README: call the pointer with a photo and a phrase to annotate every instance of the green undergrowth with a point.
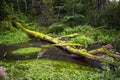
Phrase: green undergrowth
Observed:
(90, 35)
(26, 51)
(102, 36)
(82, 40)
(13, 36)
(46, 69)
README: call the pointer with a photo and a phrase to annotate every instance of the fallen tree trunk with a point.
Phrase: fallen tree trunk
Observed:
(82, 52)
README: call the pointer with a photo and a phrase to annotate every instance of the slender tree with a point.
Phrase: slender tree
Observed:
(25, 1)
(18, 6)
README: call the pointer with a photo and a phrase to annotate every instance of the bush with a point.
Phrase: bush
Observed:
(78, 29)
(13, 36)
(82, 40)
(56, 28)
(105, 39)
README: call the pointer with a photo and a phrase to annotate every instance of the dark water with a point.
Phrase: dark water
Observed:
(50, 53)
(5, 51)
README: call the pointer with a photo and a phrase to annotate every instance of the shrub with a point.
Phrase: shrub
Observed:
(56, 28)
(13, 36)
(78, 29)
(82, 40)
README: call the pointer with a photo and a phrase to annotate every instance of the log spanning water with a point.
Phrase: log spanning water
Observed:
(82, 52)
(52, 53)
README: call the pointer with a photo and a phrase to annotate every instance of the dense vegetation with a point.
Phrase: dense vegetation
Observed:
(97, 22)
(55, 70)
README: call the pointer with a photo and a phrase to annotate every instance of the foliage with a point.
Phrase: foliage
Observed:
(105, 36)
(78, 29)
(47, 69)
(111, 15)
(13, 36)
(74, 12)
(73, 20)
(56, 28)
(53, 35)
(101, 36)
(105, 39)
(26, 51)
(5, 9)
(66, 16)
(82, 40)
(45, 12)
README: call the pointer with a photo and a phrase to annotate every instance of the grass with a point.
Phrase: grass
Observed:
(26, 51)
(46, 69)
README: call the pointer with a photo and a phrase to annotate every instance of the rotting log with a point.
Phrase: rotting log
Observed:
(55, 41)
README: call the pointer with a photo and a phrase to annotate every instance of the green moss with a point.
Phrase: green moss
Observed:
(26, 51)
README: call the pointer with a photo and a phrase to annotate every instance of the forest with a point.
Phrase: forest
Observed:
(59, 39)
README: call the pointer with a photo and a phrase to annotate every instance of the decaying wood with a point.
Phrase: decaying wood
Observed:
(60, 43)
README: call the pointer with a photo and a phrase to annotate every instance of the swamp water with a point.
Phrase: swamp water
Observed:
(50, 53)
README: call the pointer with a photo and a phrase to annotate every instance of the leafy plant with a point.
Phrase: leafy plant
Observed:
(78, 29)
(105, 39)
(82, 40)
(13, 36)
(56, 27)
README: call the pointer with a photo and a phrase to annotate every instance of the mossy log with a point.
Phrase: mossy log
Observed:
(82, 52)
